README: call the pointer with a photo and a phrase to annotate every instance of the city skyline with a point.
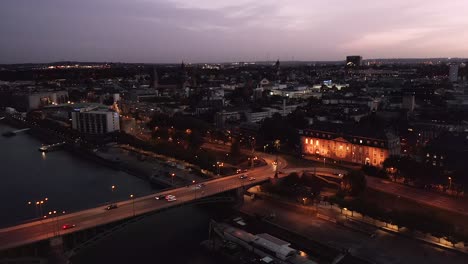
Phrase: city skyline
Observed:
(167, 31)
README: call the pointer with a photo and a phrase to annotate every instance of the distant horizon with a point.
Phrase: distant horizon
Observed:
(166, 31)
(228, 62)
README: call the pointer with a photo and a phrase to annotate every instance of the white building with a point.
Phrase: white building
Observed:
(41, 99)
(95, 122)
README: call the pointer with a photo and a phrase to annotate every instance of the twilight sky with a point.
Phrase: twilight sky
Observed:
(229, 30)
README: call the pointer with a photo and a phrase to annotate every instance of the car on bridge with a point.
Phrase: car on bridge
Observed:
(68, 226)
(244, 176)
(111, 206)
(199, 186)
(160, 197)
(171, 198)
(252, 179)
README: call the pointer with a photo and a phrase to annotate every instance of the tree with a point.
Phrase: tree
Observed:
(354, 182)
(235, 148)
(194, 139)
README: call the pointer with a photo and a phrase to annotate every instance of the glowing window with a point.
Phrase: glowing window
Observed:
(307, 141)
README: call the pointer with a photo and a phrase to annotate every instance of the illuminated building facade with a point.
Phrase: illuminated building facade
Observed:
(369, 147)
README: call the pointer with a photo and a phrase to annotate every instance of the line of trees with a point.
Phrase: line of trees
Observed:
(413, 170)
(179, 128)
(197, 156)
(424, 222)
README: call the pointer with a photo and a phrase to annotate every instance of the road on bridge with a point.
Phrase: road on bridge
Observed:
(39, 230)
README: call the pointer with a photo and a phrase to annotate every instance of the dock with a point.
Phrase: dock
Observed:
(14, 133)
(51, 147)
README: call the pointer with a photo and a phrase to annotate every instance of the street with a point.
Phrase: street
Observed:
(384, 247)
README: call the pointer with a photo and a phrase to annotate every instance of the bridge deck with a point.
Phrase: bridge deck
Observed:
(39, 230)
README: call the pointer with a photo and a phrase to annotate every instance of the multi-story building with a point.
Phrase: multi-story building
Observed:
(447, 151)
(32, 101)
(408, 102)
(453, 72)
(96, 122)
(353, 61)
(223, 117)
(349, 143)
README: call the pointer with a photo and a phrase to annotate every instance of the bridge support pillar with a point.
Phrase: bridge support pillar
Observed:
(240, 195)
(57, 252)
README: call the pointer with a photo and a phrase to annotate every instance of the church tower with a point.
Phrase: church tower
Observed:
(277, 69)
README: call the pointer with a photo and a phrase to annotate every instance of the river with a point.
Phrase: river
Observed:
(71, 183)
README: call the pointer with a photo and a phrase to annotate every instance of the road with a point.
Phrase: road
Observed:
(383, 247)
(39, 230)
(458, 205)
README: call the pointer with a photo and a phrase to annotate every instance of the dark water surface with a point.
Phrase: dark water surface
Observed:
(69, 182)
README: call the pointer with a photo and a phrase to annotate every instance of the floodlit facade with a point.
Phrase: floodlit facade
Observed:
(351, 147)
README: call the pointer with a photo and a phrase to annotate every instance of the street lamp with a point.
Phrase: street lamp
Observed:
(55, 214)
(133, 204)
(172, 178)
(450, 183)
(218, 165)
(38, 206)
(344, 208)
(277, 146)
(113, 189)
(252, 145)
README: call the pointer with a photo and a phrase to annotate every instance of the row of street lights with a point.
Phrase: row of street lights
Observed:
(39, 210)
(38, 206)
(113, 188)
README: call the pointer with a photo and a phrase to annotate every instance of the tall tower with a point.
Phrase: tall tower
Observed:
(277, 68)
(182, 76)
(154, 78)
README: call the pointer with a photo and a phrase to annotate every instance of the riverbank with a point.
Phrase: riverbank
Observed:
(48, 136)
(69, 181)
